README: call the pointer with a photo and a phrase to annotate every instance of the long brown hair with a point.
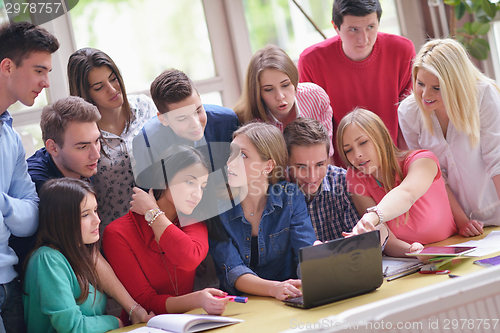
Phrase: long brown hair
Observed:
(250, 105)
(60, 229)
(80, 64)
(388, 154)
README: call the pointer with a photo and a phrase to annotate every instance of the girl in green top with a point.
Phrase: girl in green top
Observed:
(62, 293)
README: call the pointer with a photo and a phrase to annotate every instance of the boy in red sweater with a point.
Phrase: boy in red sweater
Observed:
(361, 67)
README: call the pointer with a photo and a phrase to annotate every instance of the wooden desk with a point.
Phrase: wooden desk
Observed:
(267, 314)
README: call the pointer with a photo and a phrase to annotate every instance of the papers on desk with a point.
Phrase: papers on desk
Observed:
(488, 245)
(394, 266)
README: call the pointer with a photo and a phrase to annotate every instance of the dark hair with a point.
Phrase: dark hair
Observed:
(173, 160)
(56, 117)
(80, 64)
(305, 132)
(18, 40)
(171, 86)
(354, 8)
(60, 229)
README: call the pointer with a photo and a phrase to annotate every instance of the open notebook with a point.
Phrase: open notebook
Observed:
(185, 323)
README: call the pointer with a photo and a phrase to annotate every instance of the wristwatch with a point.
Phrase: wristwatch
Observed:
(152, 214)
(377, 211)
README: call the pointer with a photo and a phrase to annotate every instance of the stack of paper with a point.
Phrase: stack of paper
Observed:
(393, 266)
(488, 245)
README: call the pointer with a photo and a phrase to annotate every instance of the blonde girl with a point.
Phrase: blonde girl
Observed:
(454, 111)
(403, 189)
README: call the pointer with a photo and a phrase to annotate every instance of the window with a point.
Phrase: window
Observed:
(281, 22)
(146, 37)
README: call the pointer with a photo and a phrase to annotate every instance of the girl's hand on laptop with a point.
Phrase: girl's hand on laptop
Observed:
(286, 289)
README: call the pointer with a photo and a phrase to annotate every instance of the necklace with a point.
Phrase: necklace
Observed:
(251, 214)
(175, 286)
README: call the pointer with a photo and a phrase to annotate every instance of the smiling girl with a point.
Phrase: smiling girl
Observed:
(273, 94)
(454, 112)
(156, 248)
(403, 189)
(94, 76)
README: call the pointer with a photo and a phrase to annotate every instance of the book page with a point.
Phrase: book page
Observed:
(180, 323)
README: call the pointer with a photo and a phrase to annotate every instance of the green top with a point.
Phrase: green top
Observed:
(51, 289)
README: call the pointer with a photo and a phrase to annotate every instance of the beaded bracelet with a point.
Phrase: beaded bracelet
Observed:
(132, 310)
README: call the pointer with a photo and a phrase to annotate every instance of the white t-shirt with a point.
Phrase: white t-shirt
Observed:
(467, 170)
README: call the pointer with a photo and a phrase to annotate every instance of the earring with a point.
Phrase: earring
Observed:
(264, 172)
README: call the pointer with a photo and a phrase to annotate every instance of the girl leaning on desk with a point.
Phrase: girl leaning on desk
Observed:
(62, 289)
(269, 223)
(454, 112)
(156, 248)
(402, 189)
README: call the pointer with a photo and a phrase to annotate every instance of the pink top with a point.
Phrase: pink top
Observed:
(429, 220)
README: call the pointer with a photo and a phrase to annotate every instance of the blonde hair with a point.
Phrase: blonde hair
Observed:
(388, 154)
(250, 105)
(270, 144)
(449, 62)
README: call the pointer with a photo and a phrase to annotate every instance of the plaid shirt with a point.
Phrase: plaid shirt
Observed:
(332, 210)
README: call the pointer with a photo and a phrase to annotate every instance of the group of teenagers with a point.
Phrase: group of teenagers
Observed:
(130, 193)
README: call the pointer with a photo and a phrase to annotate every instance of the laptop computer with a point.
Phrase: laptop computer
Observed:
(339, 269)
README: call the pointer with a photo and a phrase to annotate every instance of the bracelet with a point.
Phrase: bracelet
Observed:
(132, 310)
(155, 217)
(377, 211)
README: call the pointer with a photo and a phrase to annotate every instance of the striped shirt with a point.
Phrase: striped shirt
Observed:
(311, 101)
(332, 210)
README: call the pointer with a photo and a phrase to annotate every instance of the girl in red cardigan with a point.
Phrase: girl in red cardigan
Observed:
(155, 256)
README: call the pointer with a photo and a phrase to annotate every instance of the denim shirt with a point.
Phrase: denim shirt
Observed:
(284, 228)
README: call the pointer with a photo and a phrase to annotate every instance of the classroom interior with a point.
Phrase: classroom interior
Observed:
(218, 38)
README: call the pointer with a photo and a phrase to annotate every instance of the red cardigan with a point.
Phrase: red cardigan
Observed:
(131, 250)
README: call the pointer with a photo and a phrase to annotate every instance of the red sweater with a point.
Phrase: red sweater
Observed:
(377, 83)
(130, 247)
